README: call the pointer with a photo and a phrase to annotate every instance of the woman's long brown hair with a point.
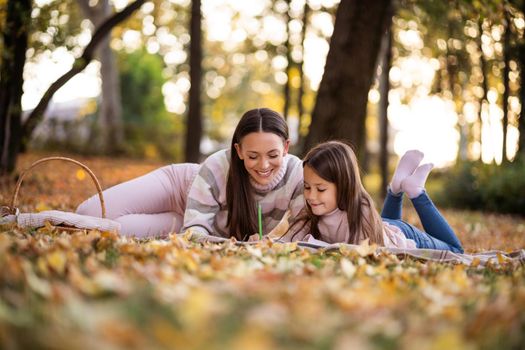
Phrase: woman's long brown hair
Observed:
(242, 211)
(335, 161)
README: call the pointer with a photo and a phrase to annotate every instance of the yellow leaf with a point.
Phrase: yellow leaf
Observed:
(475, 262)
(41, 206)
(57, 261)
(187, 235)
(345, 250)
(364, 249)
(42, 266)
(80, 175)
(48, 227)
(189, 262)
(292, 246)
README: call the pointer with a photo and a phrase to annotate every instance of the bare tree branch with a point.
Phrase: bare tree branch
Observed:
(80, 63)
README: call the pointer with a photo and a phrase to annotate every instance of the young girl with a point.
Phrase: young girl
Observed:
(338, 208)
(219, 197)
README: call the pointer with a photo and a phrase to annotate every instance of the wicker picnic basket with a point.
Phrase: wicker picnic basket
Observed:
(62, 219)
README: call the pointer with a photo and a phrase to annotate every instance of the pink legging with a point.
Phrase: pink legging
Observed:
(149, 205)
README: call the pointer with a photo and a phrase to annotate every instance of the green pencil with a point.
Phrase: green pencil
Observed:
(259, 216)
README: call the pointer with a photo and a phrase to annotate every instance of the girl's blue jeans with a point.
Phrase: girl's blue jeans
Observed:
(439, 235)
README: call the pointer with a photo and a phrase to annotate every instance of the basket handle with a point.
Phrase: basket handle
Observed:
(13, 208)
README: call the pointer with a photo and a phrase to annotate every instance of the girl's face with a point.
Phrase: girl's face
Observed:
(262, 153)
(320, 194)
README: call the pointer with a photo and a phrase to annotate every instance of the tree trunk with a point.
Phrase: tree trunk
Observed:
(194, 124)
(302, 84)
(484, 84)
(340, 107)
(384, 88)
(452, 72)
(520, 155)
(110, 111)
(506, 87)
(111, 106)
(289, 63)
(16, 33)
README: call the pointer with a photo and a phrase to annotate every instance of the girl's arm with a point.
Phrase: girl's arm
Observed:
(297, 231)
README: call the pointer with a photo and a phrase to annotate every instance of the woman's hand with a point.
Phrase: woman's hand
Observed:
(281, 228)
(254, 238)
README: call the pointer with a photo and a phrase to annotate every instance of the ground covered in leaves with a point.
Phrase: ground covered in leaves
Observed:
(85, 290)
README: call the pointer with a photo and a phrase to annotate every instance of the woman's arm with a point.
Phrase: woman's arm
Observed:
(206, 204)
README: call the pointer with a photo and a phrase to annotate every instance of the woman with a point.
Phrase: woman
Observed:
(219, 197)
(256, 170)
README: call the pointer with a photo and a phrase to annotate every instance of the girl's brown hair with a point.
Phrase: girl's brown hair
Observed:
(335, 161)
(242, 211)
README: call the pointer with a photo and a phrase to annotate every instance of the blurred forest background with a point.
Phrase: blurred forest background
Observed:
(169, 79)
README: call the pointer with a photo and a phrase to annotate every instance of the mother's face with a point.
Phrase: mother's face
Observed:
(262, 153)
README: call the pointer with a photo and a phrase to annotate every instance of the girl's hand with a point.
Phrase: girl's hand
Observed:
(255, 238)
